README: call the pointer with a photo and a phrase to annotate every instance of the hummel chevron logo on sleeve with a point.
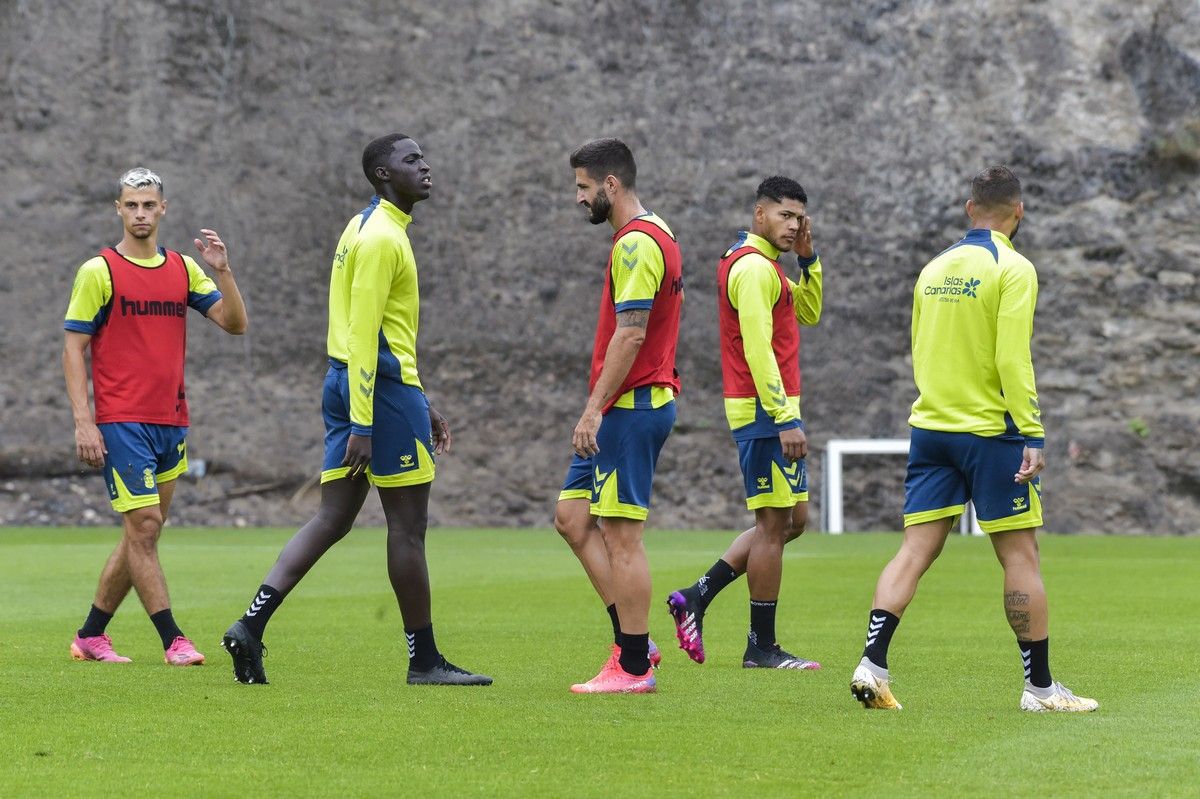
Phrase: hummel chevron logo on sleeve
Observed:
(629, 259)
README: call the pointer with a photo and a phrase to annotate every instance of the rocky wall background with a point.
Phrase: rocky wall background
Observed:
(256, 115)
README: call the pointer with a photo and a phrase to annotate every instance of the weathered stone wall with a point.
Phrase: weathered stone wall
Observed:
(256, 115)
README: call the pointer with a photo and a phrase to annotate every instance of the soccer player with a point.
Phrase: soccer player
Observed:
(976, 435)
(379, 428)
(629, 412)
(129, 305)
(758, 308)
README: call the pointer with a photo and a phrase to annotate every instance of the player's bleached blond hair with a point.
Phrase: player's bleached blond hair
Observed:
(140, 178)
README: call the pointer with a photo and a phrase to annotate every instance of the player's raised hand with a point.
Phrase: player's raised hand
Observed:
(212, 250)
(89, 444)
(584, 437)
(441, 431)
(1032, 463)
(803, 245)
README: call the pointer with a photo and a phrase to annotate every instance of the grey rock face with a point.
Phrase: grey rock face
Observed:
(256, 115)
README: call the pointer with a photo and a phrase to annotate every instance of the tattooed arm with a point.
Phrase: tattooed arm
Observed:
(622, 350)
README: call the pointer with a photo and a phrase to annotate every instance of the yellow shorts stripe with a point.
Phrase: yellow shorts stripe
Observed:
(609, 506)
(1027, 520)
(171, 474)
(781, 494)
(575, 493)
(423, 472)
(921, 517)
(126, 500)
(773, 501)
(330, 475)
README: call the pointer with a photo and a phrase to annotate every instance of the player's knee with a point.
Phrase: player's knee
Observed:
(336, 521)
(409, 531)
(773, 528)
(1020, 558)
(620, 541)
(921, 554)
(570, 529)
(144, 527)
(799, 522)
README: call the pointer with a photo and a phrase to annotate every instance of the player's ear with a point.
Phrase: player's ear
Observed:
(611, 185)
(970, 209)
(1020, 210)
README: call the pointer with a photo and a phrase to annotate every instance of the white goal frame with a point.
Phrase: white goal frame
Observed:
(833, 520)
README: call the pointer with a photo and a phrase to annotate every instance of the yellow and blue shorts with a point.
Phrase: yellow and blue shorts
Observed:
(772, 481)
(945, 470)
(401, 437)
(140, 456)
(617, 479)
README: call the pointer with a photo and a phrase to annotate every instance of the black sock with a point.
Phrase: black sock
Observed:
(1036, 656)
(95, 623)
(612, 614)
(879, 636)
(423, 653)
(168, 630)
(635, 653)
(707, 587)
(762, 623)
(261, 607)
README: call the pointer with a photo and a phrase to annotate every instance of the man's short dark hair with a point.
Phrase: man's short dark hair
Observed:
(377, 153)
(995, 187)
(777, 188)
(604, 157)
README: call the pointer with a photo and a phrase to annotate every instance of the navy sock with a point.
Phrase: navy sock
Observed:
(616, 623)
(879, 636)
(261, 607)
(762, 623)
(423, 653)
(635, 653)
(707, 587)
(1036, 656)
(168, 630)
(95, 623)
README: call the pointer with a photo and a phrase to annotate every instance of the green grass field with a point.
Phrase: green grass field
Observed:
(338, 719)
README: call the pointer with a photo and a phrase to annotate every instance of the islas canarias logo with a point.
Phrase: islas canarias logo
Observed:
(953, 286)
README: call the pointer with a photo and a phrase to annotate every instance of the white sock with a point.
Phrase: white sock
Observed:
(878, 672)
(1040, 693)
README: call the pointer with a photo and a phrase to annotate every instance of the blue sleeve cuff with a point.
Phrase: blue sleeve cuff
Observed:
(361, 429)
(634, 305)
(805, 263)
(202, 302)
(1035, 443)
(781, 426)
(76, 326)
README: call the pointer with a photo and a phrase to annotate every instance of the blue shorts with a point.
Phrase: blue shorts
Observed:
(401, 438)
(947, 469)
(772, 481)
(617, 479)
(140, 456)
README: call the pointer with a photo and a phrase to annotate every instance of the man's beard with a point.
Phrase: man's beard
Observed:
(599, 209)
(1013, 236)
